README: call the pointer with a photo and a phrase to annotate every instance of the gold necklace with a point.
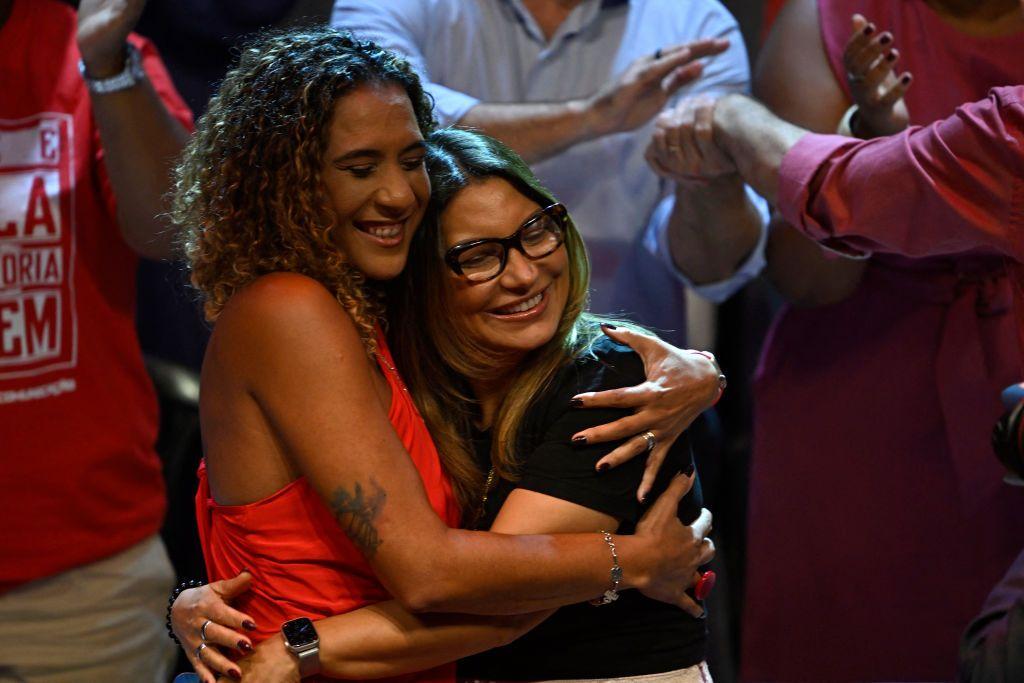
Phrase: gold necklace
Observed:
(488, 485)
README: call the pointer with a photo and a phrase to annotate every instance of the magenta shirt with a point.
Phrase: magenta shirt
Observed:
(954, 186)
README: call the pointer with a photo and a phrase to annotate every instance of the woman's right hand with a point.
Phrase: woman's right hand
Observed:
(677, 550)
(877, 91)
(194, 607)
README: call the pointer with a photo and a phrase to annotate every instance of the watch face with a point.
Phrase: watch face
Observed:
(299, 632)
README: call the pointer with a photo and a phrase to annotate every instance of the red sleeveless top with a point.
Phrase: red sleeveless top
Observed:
(303, 562)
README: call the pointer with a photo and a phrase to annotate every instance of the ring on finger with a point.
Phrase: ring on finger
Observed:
(651, 440)
(199, 651)
(853, 78)
(202, 629)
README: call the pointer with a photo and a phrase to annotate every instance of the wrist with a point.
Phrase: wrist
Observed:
(588, 118)
(287, 664)
(104, 64)
(636, 557)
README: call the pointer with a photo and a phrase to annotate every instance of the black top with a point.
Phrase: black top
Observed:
(634, 635)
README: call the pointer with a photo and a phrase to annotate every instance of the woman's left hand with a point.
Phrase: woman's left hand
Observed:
(270, 662)
(680, 385)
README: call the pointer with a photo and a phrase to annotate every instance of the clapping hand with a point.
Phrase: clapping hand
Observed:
(870, 60)
(103, 28)
(683, 147)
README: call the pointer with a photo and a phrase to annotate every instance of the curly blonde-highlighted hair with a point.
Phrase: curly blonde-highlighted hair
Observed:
(248, 189)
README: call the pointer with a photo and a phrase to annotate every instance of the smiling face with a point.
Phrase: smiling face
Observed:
(520, 309)
(375, 178)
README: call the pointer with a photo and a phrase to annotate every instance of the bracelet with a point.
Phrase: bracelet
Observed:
(845, 127)
(722, 381)
(612, 594)
(183, 586)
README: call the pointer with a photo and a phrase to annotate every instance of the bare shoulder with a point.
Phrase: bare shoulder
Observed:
(793, 76)
(286, 315)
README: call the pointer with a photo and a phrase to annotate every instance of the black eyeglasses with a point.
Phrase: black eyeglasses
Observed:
(482, 260)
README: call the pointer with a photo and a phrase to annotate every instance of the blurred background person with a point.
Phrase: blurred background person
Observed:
(879, 383)
(89, 126)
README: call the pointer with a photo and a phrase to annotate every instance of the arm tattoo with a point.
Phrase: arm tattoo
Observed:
(356, 511)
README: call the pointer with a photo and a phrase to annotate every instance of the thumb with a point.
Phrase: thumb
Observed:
(669, 499)
(229, 588)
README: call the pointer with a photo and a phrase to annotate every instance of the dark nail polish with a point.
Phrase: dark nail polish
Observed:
(579, 441)
(905, 80)
(244, 646)
(603, 467)
(235, 674)
(885, 40)
(249, 625)
(869, 29)
(643, 498)
(576, 402)
(891, 57)
(688, 470)
(609, 327)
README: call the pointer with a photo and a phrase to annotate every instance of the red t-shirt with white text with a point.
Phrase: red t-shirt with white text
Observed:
(78, 416)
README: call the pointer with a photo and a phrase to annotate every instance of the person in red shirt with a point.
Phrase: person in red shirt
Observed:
(89, 126)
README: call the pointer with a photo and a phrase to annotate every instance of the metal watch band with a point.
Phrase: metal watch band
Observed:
(309, 661)
(130, 75)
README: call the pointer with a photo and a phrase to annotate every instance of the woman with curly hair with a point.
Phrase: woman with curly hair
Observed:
(299, 194)
(497, 281)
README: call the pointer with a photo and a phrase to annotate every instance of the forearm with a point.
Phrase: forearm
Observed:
(712, 229)
(537, 131)
(756, 141)
(141, 141)
(487, 573)
(803, 272)
(387, 640)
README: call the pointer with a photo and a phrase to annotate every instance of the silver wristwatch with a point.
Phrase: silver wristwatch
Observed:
(131, 74)
(302, 640)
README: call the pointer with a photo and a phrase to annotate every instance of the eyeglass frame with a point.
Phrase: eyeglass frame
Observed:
(513, 241)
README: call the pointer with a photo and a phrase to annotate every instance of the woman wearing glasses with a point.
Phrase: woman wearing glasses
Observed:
(302, 187)
(497, 281)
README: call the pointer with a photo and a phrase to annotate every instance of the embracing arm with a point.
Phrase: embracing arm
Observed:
(309, 374)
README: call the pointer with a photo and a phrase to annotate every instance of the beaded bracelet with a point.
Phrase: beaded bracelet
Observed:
(183, 586)
(612, 594)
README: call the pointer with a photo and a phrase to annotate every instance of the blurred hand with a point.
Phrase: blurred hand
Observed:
(197, 605)
(870, 61)
(683, 149)
(680, 549)
(643, 89)
(103, 28)
(680, 385)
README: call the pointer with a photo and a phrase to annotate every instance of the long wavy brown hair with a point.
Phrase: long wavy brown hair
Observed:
(436, 368)
(248, 190)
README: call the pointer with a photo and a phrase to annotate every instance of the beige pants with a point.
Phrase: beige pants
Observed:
(692, 674)
(102, 623)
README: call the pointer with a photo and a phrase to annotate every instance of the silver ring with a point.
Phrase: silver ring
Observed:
(651, 440)
(199, 651)
(202, 629)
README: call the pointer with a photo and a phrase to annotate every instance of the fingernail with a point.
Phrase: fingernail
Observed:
(244, 646)
(688, 470)
(869, 29)
(609, 327)
(240, 571)
(905, 80)
(249, 625)
(576, 402)
(579, 441)
(885, 39)
(235, 674)
(601, 467)
(891, 57)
